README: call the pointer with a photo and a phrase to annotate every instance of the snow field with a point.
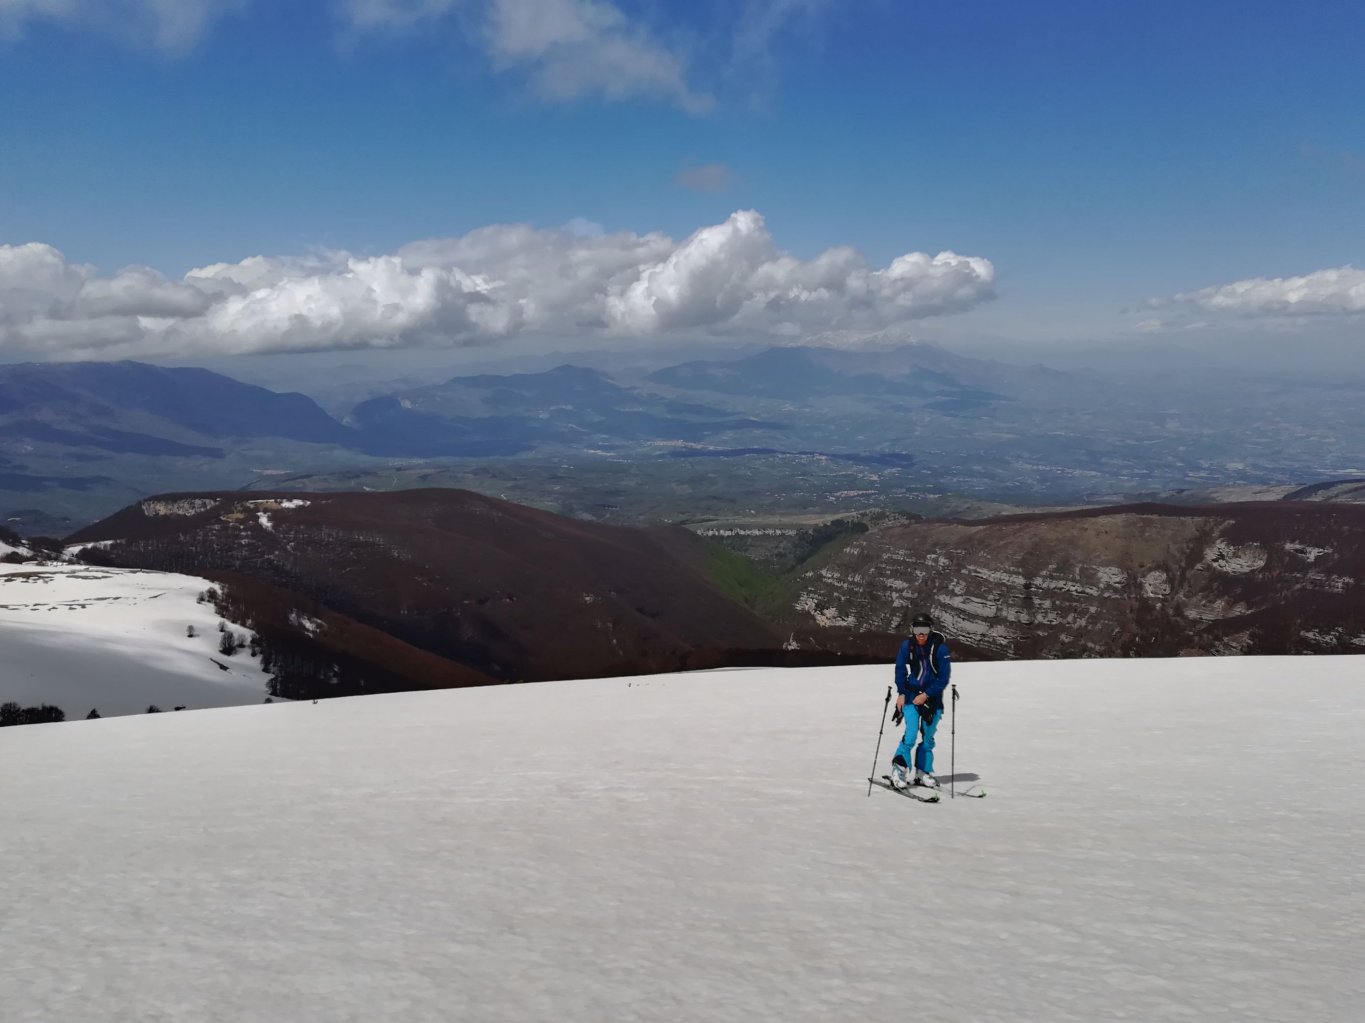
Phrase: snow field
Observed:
(115, 639)
(1163, 840)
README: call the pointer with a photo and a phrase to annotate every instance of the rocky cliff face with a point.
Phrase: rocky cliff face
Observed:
(1145, 580)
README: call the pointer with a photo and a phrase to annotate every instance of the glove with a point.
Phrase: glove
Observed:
(897, 717)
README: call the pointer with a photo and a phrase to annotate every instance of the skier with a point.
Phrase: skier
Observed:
(922, 670)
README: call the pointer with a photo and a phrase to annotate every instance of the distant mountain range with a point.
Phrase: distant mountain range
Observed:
(80, 440)
(134, 408)
(89, 409)
(802, 374)
(569, 406)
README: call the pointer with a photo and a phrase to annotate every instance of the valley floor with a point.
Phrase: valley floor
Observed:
(1163, 840)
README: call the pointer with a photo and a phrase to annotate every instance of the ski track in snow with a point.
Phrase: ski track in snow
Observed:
(1163, 840)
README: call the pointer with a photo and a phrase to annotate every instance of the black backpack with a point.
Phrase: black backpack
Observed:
(936, 640)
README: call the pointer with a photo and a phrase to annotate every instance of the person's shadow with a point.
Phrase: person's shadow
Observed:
(944, 779)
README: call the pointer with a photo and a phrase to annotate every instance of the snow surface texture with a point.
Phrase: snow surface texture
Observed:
(1163, 840)
(115, 640)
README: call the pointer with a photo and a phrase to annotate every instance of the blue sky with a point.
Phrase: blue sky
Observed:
(1096, 155)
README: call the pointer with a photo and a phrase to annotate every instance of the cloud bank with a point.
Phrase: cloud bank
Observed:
(491, 285)
(1333, 292)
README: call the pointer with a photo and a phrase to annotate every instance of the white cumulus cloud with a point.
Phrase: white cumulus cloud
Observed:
(732, 276)
(173, 26)
(1338, 291)
(495, 283)
(580, 48)
(568, 49)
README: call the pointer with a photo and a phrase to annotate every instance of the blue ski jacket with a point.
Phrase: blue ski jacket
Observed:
(924, 669)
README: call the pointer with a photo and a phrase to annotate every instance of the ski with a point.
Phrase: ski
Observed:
(927, 795)
(885, 782)
(969, 793)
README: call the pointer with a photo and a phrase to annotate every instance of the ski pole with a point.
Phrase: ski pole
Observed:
(873, 773)
(952, 754)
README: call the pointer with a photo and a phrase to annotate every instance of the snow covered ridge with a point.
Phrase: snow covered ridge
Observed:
(162, 507)
(16, 549)
(187, 506)
(658, 849)
(757, 531)
(118, 641)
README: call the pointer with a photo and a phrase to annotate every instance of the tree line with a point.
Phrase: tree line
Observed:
(13, 714)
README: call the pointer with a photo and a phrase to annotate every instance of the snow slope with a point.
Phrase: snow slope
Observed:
(116, 640)
(1163, 840)
(10, 549)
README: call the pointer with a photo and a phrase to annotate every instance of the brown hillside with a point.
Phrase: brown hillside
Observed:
(313, 652)
(509, 591)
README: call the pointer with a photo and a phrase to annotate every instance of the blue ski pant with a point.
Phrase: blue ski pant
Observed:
(918, 728)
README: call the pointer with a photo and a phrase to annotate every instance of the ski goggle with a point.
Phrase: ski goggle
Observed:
(921, 630)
